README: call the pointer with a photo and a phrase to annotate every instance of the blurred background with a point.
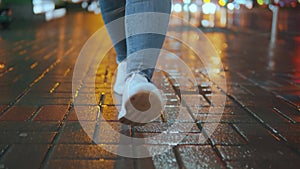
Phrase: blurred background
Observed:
(201, 13)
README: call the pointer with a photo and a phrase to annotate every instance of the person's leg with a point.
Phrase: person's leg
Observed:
(142, 101)
(112, 10)
(138, 59)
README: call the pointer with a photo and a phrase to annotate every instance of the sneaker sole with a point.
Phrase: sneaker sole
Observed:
(137, 106)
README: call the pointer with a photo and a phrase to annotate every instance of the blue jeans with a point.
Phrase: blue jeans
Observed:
(133, 47)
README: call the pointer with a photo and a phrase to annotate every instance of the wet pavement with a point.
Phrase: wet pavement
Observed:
(259, 128)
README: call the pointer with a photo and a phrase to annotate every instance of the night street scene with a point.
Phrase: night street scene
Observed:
(149, 84)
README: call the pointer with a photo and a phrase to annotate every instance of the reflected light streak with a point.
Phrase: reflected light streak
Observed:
(43, 7)
(55, 14)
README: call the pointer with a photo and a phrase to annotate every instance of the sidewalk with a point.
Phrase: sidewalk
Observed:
(39, 127)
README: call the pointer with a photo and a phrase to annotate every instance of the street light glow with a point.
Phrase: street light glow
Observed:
(209, 8)
(230, 6)
(187, 1)
(193, 8)
(177, 8)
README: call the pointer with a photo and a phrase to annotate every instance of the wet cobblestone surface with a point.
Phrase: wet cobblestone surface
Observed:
(39, 127)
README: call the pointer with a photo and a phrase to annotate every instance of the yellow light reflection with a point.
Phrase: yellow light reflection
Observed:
(34, 65)
(2, 66)
(54, 87)
(260, 2)
(206, 1)
(222, 2)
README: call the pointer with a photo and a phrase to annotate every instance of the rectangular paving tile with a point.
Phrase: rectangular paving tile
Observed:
(52, 113)
(224, 118)
(80, 164)
(223, 134)
(199, 157)
(267, 114)
(262, 164)
(256, 133)
(194, 100)
(18, 113)
(287, 112)
(174, 114)
(173, 138)
(291, 137)
(172, 127)
(74, 133)
(26, 137)
(233, 109)
(81, 151)
(76, 137)
(110, 113)
(165, 160)
(29, 126)
(271, 152)
(110, 132)
(24, 156)
(83, 113)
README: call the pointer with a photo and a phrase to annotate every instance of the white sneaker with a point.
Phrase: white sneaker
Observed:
(142, 101)
(120, 79)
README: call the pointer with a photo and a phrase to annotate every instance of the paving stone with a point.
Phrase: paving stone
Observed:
(111, 132)
(74, 133)
(75, 137)
(256, 133)
(224, 118)
(291, 137)
(79, 164)
(177, 115)
(173, 138)
(83, 113)
(172, 127)
(26, 137)
(112, 99)
(24, 156)
(223, 134)
(262, 164)
(271, 152)
(29, 126)
(228, 109)
(110, 113)
(294, 99)
(195, 100)
(52, 113)
(199, 157)
(267, 115)
(165, 160)
(18, 113)
(87, 99)
(287, 112)
(81, 151)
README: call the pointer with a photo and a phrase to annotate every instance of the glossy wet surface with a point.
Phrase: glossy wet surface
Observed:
(259, 127)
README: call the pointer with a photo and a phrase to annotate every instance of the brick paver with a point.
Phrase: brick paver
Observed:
(39, 127)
